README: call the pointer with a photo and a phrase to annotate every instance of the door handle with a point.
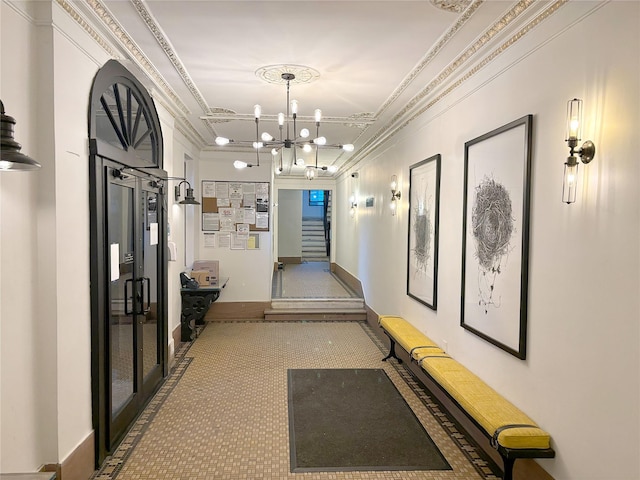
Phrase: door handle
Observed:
(146, 309)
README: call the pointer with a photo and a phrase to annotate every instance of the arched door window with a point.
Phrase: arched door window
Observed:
(124, 121)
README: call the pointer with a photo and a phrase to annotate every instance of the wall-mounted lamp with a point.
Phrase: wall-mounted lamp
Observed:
(189, 199)
(354, 205)
(585, 153)
(10, 157)
(395, 194)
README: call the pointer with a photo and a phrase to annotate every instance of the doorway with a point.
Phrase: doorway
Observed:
(128, 261)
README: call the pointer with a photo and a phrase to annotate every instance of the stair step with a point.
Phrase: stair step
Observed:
(324, 304)
(318, 316)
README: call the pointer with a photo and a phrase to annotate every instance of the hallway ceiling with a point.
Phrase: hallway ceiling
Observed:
(378, 63)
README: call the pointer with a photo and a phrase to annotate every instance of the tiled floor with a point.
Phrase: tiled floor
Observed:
(309, 280)
(223, 415)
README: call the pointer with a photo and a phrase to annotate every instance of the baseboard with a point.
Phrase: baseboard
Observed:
(236, 311)
(347, 278)
(290, 259)
(524, 469)
(79, 464)
(176, 336)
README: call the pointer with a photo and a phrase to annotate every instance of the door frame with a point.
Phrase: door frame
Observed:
(147, 166)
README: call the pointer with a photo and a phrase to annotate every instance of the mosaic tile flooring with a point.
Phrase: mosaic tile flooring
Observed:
(222, 414)
(309, 280)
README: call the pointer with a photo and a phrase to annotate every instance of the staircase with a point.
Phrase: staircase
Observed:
(314, 248)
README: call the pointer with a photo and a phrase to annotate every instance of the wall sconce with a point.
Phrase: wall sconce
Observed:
(395, 194)
(354, 205)
(189, 199)
(10, 157)
(585, 153)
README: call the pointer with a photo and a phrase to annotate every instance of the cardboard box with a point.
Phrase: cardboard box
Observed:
(210, 266)
(202, 277)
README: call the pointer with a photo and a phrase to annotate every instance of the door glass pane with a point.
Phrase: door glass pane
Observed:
(150, 282)
(122, 285)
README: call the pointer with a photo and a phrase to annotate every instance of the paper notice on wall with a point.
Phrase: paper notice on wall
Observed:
(253, 242)
(210, 221)
(235, 192)
(262, 220)
(243, 230)
(249, 200)
(210, 240)
(222, 190)
(115, 261)
(153, 234)
(224, 240)
(237, 242)
(249, 215)
(208, 189)
(262, 190)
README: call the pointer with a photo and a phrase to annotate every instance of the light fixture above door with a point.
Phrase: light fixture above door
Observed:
(10, 157)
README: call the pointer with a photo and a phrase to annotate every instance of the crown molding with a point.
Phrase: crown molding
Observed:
(416, 107)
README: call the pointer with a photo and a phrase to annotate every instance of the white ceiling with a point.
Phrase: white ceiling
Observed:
(376, 60)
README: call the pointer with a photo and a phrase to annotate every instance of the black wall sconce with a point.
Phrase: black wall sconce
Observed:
(10, 157)
(585, 153)
(189, 199)
(395, 194)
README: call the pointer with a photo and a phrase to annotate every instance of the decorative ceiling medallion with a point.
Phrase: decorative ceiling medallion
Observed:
(365, 117)
(273, 74)
(455, 6)
(224, 112)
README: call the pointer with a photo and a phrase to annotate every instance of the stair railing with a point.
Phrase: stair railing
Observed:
(327, 223)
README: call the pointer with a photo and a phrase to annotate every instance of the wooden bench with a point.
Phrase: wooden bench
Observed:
(512, 433)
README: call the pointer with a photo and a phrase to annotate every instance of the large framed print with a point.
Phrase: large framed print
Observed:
(424, 201)
(495, 235)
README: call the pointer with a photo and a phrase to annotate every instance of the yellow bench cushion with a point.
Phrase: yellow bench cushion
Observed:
(409, 337)
(485, 405)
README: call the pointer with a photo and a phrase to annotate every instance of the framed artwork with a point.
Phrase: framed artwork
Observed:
(422, 262)
(495, 235)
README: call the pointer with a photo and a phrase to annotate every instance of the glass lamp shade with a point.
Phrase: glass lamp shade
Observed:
(574, 120)
(310, 173)
(570, 180)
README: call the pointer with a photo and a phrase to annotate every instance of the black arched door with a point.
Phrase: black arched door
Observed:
(128, 244)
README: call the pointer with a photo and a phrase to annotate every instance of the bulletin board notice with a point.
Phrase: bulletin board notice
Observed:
(237, 207)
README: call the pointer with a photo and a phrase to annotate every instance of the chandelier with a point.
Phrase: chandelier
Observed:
(289, 138)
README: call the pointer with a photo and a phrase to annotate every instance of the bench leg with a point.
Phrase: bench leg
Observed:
(508, 468)
(392, 351)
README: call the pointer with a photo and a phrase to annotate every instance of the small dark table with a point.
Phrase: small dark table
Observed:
(195, 305)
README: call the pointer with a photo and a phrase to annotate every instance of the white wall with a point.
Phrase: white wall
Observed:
(48, 65)
(177, 150)
(581, 378)
(28, 364)
(249, 271)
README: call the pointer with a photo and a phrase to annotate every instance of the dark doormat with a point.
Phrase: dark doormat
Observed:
(355, 419)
